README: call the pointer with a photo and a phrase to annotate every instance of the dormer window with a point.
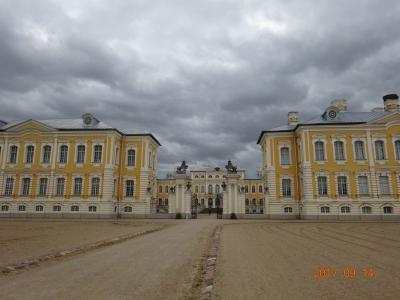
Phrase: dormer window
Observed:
(89, 120)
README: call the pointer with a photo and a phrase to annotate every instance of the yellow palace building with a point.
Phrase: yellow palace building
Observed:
(339, 165)
(75, 167)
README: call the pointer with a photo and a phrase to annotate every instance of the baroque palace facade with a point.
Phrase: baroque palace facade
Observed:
(339, 165)
(75, 167)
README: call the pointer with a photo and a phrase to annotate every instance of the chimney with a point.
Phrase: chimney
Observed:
(391, 102)
(340, 104)
(293, 118)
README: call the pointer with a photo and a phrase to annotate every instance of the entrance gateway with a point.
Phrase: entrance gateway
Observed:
(183, 199)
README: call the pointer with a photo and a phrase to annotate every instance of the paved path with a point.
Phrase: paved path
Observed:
(159, 265)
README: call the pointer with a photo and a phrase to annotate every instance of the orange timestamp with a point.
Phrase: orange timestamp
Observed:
(346, 273)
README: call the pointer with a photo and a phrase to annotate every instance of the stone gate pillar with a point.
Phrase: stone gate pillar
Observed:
(182, 195)
(232, 197)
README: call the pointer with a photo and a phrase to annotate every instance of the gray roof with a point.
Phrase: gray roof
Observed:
(62, 124)
(342, 118)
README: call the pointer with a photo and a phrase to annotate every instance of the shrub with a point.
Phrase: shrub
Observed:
(233, 216)
(178, 216)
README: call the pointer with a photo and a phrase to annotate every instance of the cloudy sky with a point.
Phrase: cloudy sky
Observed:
(204, 76)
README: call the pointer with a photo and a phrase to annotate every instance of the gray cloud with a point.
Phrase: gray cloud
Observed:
(204, 76)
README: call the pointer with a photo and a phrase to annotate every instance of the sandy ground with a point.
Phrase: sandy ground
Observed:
(278, 261)
(159, 265)
(24, 239)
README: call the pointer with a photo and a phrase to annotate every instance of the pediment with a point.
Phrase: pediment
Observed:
(30, 125)
(392, 118)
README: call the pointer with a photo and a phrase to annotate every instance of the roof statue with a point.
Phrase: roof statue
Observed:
(182, 168)
(231, 168)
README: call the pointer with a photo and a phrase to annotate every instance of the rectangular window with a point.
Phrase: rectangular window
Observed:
(80, 157)
(339, 150)
(9, 186)
(129, 188)
(60, 186)
(78, 186)
(397, 149)
(63, 154)
(322, 186)
(42, 186)
(363, 185)
(46, 154)
(384, 185)
(380, 150)
(286, 187)
(359, 150)
(319, 151)
(342, 185)
(260, 188)
(95, 186)
(285, 160)
(13, 154)
(30, 150)
(26, 183)
(98, 149)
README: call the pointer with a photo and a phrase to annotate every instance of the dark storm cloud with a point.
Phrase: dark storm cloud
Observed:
(204, 76)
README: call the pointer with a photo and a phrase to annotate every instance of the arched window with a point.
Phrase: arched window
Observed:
(285, 160)
(57, 208)
(63, 154)
(345, 209)
(202, 188)
(246, 188)
(74, 208)
(366, 210)
(131, 157)
(21, 208)
(196, 189)
(397, 149)
(319, 151)
(46, 154)
(4, 208)
(380, 150)
(325, 209)
(288, 210)
(339, 150)
(128, 209)
(209, 176)
(166, 189)
(253, 189)
(92, 208)
(387, 210)
(216, 176)
(217, 189)
(210, 188)
(160, 189)
(359, 150)
(260, 188)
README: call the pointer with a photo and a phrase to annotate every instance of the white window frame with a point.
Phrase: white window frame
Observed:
(364, 143)
(326, 211)
(317, 185)
(396, 153)
(343, 141)
(358, 185)
(289, 158)
(389, 188)
(40, 177)
(22, 187)
(290, 187)
(91, 185)
(13, 177)
(102, 153)
(10, 153)
(127, 157)
(79, 164)
(42, 162)
(27, 164)
(59, 154)
(56, 186)
(345, 211)
(384, 150)
(73, 186)
(347, 186)
(315, 150)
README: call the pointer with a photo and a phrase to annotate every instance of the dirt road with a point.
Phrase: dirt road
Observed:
(279, 261)
(159, 265)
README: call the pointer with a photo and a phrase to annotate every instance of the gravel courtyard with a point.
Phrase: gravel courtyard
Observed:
(256, 259)
(297, 260)
(24, 239)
